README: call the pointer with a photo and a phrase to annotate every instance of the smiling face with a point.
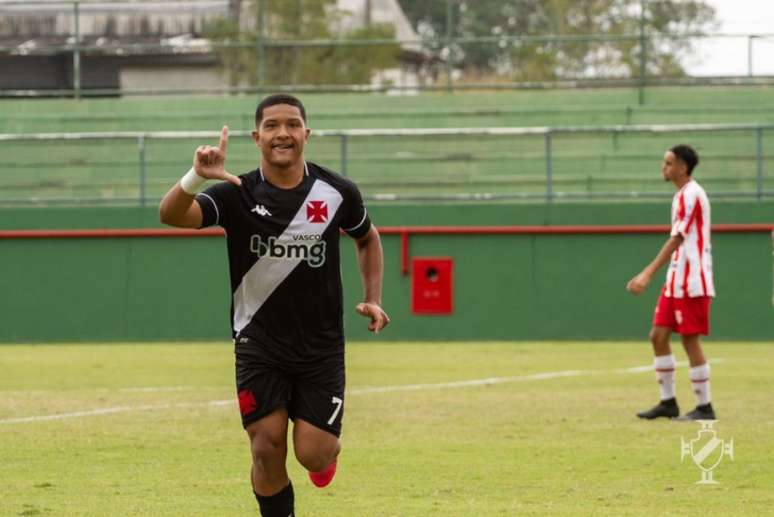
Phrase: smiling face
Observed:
(281, 136)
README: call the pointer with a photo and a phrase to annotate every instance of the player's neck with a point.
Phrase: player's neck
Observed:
(283, 177)
(681, 181)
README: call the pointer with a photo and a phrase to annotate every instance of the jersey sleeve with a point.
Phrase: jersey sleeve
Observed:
(355, 221)
(214, 202)
(685, 212)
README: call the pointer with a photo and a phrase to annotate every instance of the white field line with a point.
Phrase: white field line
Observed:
(111, 410)
(152, 389)
(357, 391)
(473, 382)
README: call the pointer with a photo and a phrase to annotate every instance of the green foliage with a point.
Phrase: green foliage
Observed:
(572, 57)
(239, 63)
(297, 21)
(356, 65)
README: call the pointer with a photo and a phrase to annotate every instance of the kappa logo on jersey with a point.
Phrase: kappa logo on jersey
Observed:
(317, 212)
(261, 210)
(310, 248)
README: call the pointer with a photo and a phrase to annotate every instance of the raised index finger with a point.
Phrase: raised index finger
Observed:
(223, 139)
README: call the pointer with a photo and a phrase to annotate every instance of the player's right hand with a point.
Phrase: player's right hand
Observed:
(638, 284)
(379, 318)
(210, 161)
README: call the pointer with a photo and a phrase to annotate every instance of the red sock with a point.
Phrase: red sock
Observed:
(324, 477)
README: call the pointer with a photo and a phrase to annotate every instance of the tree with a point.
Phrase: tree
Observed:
(234, 11)
(294, 21)
(571, 56)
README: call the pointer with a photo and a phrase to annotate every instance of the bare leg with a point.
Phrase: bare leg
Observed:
(659, 338)
(315, 449)
(693, 350)
(269, 448)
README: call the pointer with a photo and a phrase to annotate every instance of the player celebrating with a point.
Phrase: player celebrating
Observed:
(282, 225)
(684, 304)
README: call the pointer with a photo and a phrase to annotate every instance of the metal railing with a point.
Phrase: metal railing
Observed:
(438, 164)
(164, 118)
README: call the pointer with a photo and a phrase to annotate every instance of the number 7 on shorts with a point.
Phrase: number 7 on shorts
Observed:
(339, 403)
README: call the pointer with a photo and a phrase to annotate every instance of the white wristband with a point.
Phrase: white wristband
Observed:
(191, 182)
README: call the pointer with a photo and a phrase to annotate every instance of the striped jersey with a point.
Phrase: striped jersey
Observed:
(690, 270)
(283, 252)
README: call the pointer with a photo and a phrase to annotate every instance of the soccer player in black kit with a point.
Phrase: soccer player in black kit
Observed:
(282, 224)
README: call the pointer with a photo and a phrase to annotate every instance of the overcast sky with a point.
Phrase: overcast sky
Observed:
(729, 56)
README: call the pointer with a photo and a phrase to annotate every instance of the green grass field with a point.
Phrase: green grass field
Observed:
(168, 441)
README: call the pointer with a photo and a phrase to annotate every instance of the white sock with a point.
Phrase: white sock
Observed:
(665, 374)
(700, 378)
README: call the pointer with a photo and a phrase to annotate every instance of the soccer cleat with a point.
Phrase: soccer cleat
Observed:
(666, 408)
(704, 412)
(324, 477)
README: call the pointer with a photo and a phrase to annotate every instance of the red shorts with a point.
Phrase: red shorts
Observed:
(686, 316)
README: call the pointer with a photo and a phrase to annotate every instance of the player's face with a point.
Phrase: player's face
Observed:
(672, 167)
(281, 135)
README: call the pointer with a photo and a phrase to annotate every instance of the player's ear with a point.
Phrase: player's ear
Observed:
(256, 136)
(308, 132)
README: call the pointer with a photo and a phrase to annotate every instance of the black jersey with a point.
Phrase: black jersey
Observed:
(283, 253)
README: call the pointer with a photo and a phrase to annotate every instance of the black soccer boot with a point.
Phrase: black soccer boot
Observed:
(703, 412)
(666, 408)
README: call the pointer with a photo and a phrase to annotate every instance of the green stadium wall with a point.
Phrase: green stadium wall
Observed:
(506, 287)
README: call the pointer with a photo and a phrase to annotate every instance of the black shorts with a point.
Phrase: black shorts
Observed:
(310, 390)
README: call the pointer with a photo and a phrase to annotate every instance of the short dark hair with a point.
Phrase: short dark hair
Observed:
(687, 154)
(279, 98)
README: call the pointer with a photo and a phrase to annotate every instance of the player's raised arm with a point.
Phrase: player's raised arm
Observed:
(178, 207)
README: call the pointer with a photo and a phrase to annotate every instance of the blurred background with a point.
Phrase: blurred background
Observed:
(453, 113)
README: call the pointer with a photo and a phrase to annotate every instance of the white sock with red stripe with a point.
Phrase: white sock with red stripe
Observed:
(700, 378)
(665, 374)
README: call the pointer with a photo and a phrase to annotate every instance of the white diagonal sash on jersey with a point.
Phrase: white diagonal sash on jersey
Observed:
(268, 273)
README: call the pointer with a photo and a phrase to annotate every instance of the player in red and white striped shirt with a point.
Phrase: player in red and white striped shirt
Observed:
(684, 304)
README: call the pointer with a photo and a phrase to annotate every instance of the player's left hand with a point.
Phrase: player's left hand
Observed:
(379, 318)
(638, 284)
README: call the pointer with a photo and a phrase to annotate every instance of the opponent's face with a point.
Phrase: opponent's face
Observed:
(281, 135)
(673, 167)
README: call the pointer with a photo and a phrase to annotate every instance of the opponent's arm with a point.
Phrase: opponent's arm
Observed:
(371, 262)
(638, 284)
(178, 207)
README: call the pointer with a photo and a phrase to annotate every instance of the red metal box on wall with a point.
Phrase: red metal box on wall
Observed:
(432, 285)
